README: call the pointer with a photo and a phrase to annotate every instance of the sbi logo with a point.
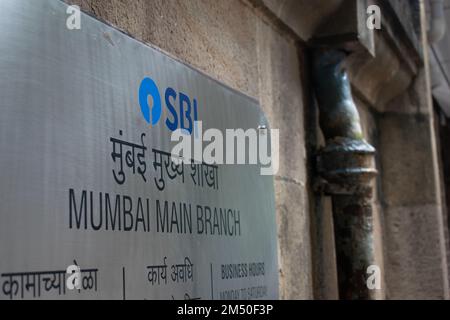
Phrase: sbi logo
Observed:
(181, 110)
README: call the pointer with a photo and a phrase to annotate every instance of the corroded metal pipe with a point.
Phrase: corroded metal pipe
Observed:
(346, 165)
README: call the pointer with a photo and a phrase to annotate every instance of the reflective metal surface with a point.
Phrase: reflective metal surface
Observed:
(67, 97)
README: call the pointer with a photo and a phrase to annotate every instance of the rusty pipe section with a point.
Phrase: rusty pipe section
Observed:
(346, 167)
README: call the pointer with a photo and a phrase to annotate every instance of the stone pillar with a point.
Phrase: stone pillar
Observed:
(415, 254)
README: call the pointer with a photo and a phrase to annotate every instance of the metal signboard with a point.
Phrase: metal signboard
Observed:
(87, 180)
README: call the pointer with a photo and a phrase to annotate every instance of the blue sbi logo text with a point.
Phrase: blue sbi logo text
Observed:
(181, 110)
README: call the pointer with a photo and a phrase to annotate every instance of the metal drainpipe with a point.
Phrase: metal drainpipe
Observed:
(346, 164)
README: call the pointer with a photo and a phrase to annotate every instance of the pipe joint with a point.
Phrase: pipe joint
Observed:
(347, 167)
